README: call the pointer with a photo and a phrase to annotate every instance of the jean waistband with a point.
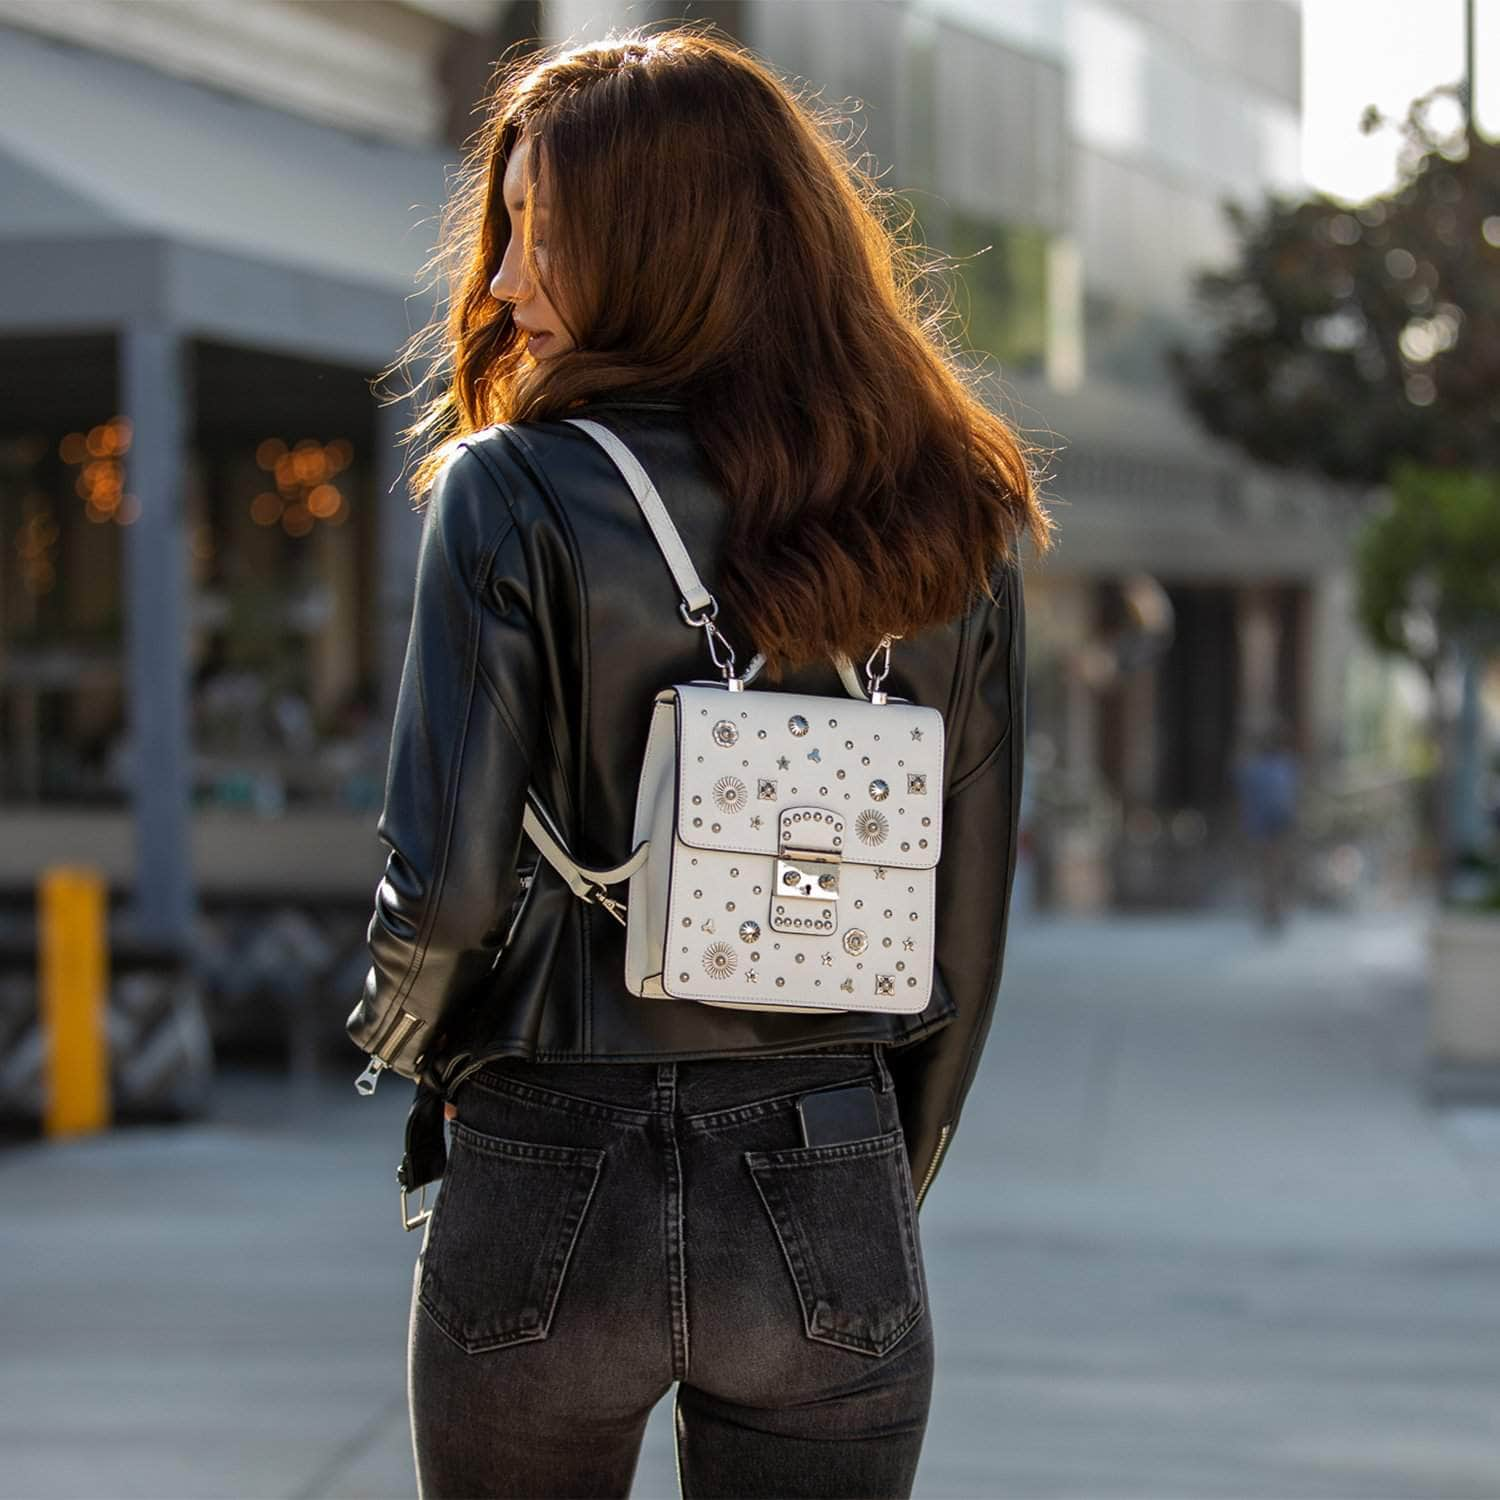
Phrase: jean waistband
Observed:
(693, 1085)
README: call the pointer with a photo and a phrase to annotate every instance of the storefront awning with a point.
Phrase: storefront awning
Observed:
(97, 150)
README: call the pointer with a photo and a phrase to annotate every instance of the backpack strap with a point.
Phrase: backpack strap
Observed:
(689, 584)
(695, 596)
(590, 884)
(587, 884)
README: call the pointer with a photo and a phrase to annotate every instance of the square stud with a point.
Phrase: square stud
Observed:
(766, 790)
(916, 783)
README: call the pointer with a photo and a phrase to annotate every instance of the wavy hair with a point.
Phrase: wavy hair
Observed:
(713, 241)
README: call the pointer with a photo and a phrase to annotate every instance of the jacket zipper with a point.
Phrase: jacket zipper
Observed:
(937, 1156)
(388, 1047)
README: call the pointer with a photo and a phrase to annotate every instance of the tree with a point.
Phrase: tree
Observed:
(1347, 338)
(1362, 343)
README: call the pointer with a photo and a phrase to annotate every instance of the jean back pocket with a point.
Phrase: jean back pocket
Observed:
(847, 1224)
(502, 1234)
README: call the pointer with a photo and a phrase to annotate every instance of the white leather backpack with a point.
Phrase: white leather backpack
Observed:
(786, 844)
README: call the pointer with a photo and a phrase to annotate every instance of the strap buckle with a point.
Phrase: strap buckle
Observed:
(423, 1213)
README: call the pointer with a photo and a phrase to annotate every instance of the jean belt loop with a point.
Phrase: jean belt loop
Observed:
(882, 1071)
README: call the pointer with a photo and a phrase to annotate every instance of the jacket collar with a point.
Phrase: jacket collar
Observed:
(654, 403)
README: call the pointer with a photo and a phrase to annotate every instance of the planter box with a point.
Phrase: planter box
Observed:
(1463, 1029)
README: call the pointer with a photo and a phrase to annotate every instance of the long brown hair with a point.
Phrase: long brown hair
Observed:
(714, 242)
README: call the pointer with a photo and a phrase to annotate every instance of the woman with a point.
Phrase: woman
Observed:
(654, 233)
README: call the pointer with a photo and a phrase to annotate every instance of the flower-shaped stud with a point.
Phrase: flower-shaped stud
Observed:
(719, 960)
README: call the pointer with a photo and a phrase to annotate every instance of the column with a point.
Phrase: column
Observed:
(155, 397)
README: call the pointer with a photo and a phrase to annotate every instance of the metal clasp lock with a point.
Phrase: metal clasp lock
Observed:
(806, 893)
(808, 873)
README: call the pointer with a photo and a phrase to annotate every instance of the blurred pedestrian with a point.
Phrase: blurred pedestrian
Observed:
(1268, 784)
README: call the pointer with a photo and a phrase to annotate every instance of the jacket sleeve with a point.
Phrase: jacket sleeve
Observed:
(464, 736)
(981, 817)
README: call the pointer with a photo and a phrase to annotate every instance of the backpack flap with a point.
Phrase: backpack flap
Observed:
(808, 829)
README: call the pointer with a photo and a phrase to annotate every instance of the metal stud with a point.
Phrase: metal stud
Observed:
(856, 940)
(885, 984)
(797, 724)
(872, 826)
(719, 960)
(730, 794)
(726, 733)
(766, 790)
(879, 790)
(915, 783)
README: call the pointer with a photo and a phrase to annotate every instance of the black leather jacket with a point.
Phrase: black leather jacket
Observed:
(544, 622)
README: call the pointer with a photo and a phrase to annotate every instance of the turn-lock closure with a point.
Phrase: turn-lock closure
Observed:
(809, 859)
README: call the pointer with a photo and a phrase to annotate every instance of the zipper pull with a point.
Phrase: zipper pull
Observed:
(367, 1080)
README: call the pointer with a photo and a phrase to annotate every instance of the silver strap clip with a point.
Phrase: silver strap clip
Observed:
(874, 678)
(616, 909)
(705, 622)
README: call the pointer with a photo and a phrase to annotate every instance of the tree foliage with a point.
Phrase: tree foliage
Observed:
(1346, 338)
(1429, 563)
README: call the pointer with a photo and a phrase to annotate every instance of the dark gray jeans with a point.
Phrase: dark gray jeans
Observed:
(605, 1229)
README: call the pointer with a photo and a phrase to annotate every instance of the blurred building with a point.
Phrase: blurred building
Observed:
(216, 220)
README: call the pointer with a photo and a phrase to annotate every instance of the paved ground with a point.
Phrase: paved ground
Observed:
(1197, 1236)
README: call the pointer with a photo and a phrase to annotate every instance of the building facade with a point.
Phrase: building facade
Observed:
(216, 225)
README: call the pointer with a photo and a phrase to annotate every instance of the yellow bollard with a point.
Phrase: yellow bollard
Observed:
(73, 997)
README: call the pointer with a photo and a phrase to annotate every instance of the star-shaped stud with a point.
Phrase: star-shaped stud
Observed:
(880, 872)
(828, 960)
(783, 763)
(916, 734)
(749, 976)
(755, 821)
(908, 945)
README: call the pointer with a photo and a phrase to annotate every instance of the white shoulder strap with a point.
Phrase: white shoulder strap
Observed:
(669, 540)
(584, 882)
(689, 585)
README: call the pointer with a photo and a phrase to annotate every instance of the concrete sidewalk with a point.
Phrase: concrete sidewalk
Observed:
(1197, 1236)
